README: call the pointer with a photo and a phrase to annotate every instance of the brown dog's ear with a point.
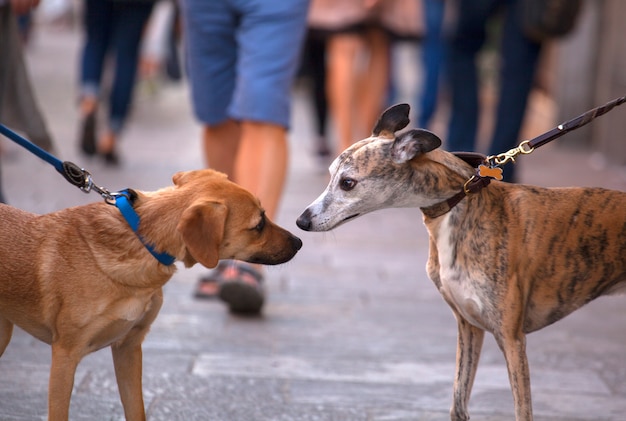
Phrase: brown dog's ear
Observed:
(408, 145)
(179, 178)
(183, 177)
(202, 228)
(393, 119)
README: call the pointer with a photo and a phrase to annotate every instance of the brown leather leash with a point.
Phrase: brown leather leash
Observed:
(488, 167)
(529, 146)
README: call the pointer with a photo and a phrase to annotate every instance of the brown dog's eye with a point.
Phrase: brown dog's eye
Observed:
(259, 227)
(347, 184)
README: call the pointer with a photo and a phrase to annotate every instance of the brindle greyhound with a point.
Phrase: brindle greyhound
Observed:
(509, 259)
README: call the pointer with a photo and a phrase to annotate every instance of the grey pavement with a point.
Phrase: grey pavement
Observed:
(353, 329)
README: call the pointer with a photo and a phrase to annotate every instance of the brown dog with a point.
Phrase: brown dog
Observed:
(80, 279)
(509, 259)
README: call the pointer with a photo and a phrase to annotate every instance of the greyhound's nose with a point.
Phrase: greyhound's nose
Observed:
(304, 221)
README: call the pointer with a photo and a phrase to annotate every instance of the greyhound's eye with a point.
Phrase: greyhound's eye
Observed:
(347, 184)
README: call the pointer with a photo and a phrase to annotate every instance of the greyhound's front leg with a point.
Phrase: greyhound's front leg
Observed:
(514, 349)
(469, 344)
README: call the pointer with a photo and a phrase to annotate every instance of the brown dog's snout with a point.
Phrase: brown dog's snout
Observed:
(293, 244)
(304, 221)
(289, 246)
(296, 243)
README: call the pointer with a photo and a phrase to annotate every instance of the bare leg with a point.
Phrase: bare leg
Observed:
(372, 85)
(342, 52)
(107, 142)
(88, 105)
(221, 143)
(261, 164)
(258, 162)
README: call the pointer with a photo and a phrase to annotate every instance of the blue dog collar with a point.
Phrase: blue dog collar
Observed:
(123, 203)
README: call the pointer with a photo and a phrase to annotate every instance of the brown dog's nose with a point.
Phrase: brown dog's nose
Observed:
(304, 221)
(296, 242)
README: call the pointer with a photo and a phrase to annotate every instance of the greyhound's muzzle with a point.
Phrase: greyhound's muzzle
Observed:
(304, 221)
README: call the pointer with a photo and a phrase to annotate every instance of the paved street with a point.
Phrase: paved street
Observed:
(353, 328)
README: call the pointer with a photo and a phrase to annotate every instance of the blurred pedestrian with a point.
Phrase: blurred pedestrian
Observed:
(432, 60)
(159, 57)
(519, 56)
(18, 107)
(357, 62)
(313, 68)
(242, 58)
(113, 31)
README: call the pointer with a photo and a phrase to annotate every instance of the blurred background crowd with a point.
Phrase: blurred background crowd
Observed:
(359, 56)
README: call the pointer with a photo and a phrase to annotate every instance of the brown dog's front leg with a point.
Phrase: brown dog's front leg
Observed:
(6, 330)
(61, 382)
(514, 349)
(469, 344)
(127, 360)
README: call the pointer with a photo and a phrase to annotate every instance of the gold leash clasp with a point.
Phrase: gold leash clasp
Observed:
(523, 148)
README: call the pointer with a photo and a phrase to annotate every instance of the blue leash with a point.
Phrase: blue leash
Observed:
(81, 178)
(72, 173)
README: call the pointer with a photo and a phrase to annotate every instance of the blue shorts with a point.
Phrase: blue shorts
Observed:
(242, 57)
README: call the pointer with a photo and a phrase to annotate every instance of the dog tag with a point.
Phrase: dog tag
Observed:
(491, 172)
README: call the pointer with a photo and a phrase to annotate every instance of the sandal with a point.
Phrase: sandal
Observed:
(241, 287)
(208, 285)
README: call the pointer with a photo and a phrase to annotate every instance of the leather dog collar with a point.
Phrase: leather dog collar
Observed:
(477, 182)
(473, 185)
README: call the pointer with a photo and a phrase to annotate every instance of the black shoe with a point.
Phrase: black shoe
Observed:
(111, 158)
(88, 135)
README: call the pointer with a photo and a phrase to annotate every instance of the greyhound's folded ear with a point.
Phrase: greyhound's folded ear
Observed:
(412, 143)
(393, 119)
(202, 228)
